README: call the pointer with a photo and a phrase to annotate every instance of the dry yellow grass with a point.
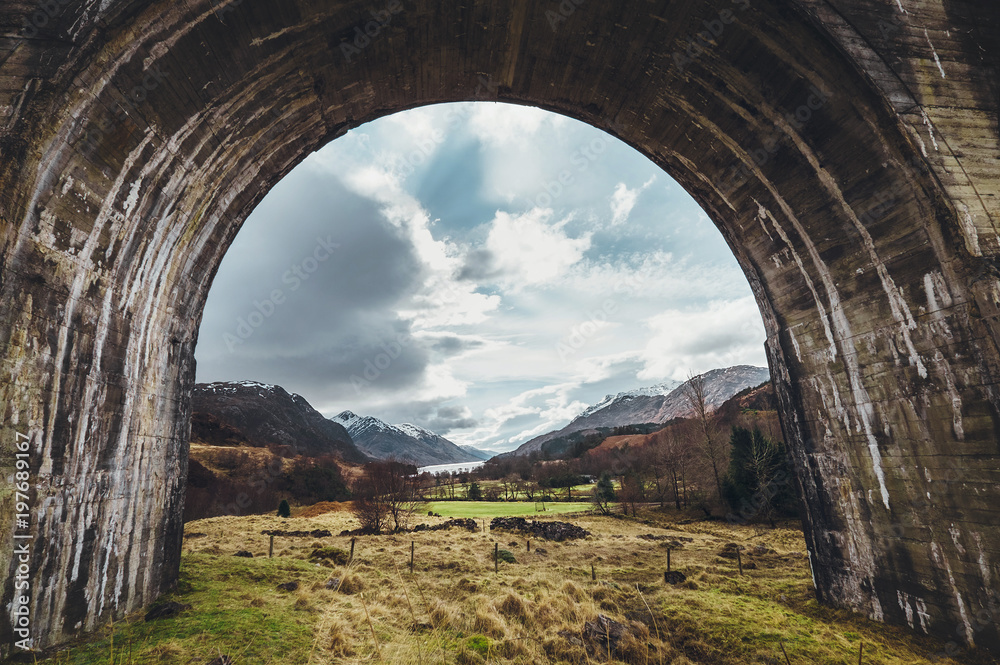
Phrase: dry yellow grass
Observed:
(455, 609)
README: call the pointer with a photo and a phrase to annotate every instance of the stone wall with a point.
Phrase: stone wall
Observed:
(847, 149)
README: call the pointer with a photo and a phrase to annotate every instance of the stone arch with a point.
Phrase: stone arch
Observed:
(853, 178)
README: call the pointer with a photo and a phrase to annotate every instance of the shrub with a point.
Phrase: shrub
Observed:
(480, 644)
(334, 554)
(284, 510)
(604, 494)
(506, 556)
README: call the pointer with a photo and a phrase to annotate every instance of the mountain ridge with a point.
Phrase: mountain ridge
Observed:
(406, 442)
(633, 408)
(261, 415)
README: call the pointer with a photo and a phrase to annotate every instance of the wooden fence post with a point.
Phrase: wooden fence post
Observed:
(411, 557)
(593, 573)
(270, 548)
(496, 557)
(351, 558)
(668, 558)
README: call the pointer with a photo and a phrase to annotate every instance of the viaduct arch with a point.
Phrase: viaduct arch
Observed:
(849, 150)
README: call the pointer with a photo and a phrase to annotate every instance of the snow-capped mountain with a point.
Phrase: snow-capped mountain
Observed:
(663, 389)
(655, 404)
(406, 442)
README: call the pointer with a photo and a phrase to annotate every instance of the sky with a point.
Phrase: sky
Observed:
(483, 270)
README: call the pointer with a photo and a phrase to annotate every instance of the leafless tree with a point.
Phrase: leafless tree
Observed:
(385, 495)
(631, 493)
(713, 446)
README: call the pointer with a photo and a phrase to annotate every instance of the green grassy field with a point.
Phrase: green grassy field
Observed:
(487, 509)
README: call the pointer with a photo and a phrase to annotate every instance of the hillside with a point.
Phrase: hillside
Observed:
(258, 415)
(477, 453)
(406, 442)
(635, 407)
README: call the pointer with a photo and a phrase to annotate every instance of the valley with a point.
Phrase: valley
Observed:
(675, 569)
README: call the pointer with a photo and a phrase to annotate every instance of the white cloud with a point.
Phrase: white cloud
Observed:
(442, 300)
(719, 334)
(551, 405)
(481, 334)
(500, 125)
(624, 199)
(527, 249)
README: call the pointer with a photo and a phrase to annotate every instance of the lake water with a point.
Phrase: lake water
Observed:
(459, 466)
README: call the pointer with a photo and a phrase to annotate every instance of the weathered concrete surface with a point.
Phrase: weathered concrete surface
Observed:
(136, 137)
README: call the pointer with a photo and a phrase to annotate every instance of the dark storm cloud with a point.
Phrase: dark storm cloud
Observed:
(314, 305)
(451, 418)
(435, 416)
(450, 345)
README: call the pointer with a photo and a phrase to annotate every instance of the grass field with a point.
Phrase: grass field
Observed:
(488, 509)
(455, 609)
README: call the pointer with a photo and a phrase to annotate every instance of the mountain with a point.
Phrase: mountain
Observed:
(247, 413)
(406, 443)
(656, 404)
(650, 391)
(476, 452)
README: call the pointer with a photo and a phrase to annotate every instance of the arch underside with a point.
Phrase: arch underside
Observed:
(847, 150)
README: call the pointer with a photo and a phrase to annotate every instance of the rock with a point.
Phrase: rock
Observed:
(674, 577)
(167, 609)
(332, 583)
(557, 531)
(288, 586)
(462, 523)
(315, 533)
(729, 550)
(244, 554)
(761, 550)
(221, 660)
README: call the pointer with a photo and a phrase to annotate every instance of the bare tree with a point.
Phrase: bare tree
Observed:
(631, 493)
(710, 442)
(385, 493)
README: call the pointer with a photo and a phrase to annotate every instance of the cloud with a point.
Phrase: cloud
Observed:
(720, 334)
(527, 249)
(500, 125)
(624, 199)
(449, 418)
(443, 241)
